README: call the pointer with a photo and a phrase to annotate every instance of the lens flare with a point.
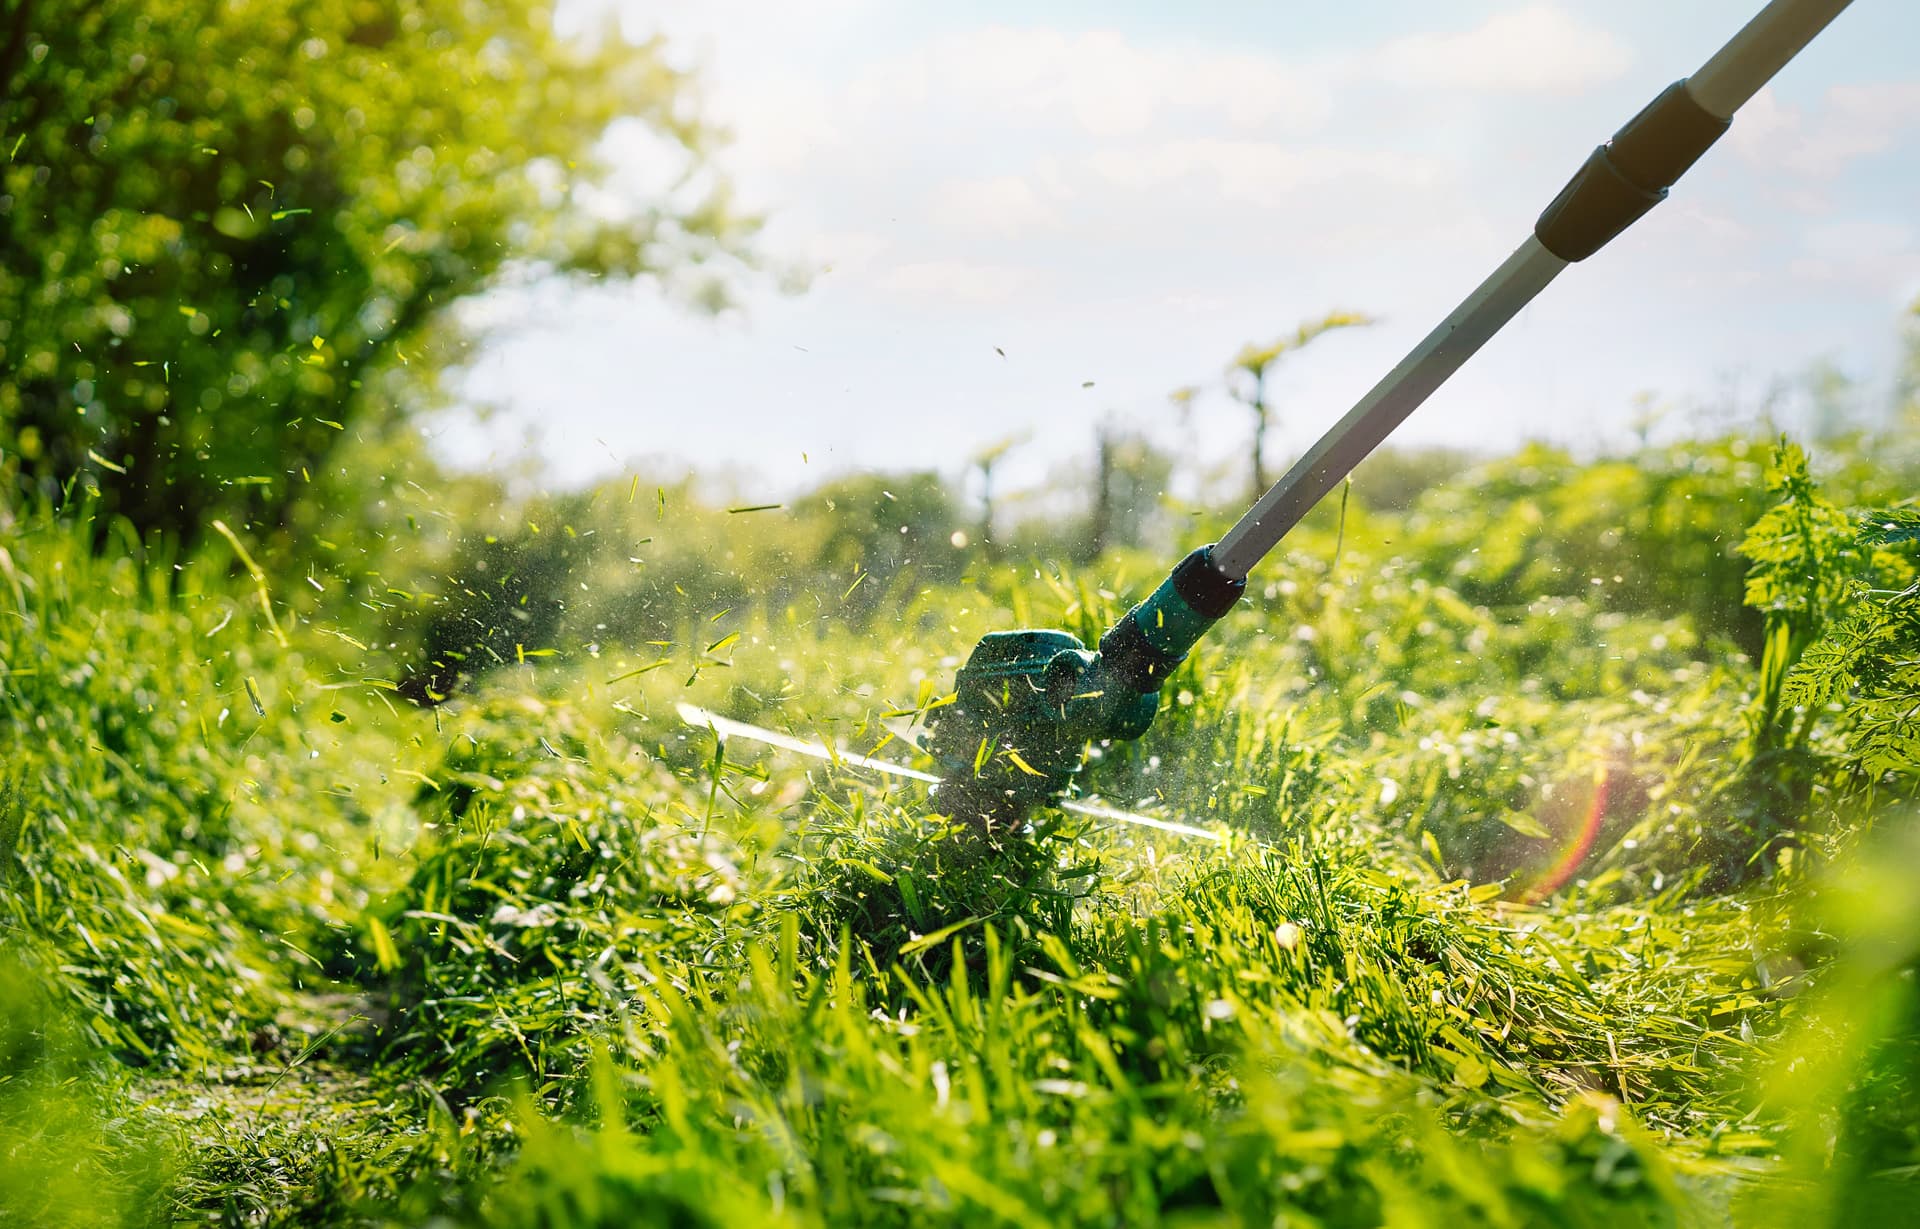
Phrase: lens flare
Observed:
(1579, 843)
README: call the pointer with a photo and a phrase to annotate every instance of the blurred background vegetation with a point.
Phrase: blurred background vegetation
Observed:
(1568, 874)
(234, 233)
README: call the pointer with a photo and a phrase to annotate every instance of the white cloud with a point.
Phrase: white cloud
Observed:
(995, 205)
(955, 282)
(1686, 217)
(1254, 172)
(845, 253)
(1852, 122)
(1878, 258)
(1098, 81)
(783, 126)
(1540, 49)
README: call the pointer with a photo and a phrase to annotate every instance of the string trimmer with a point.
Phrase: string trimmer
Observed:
(1027, 703)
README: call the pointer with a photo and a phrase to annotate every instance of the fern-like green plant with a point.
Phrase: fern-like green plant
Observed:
(1803, 557)
(1869, 661)
(1836, 704)
(1803, 564)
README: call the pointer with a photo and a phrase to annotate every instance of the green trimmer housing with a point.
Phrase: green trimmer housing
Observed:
(1027, 703)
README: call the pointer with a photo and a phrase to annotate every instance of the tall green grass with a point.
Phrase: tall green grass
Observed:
(1469, 948)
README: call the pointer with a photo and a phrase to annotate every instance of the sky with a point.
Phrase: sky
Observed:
(1019, 220)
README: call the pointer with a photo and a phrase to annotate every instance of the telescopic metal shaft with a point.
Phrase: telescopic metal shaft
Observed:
(1618, 183)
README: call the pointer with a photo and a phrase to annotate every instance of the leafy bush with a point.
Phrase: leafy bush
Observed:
(285, 198)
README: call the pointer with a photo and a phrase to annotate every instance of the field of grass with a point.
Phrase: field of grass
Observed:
(1554, 885)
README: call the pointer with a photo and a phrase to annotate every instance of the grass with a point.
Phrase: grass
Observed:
(294, 951)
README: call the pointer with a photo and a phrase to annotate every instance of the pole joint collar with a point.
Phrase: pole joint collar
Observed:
(1630, 174)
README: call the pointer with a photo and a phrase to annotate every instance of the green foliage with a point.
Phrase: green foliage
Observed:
(1868, 663)
(228, 232)
(538, 857)
(1848, 1074)
(872, 528)
(1890, 527)
(1004, 1102)
(502, 596)
(546, 955)
(552, 579)
(74, 1152)
(1394, 477)
(1654, 532)
(1834, 640)
(1801, 549)
(156, 865)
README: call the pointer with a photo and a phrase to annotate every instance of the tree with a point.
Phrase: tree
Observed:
(1247, 379)
(984, 462)
(1130, 475)
(230, 229)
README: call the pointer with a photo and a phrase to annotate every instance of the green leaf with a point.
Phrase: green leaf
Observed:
(1890, 527)
(1525, 825)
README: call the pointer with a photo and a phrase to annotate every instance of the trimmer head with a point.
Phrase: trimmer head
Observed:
(1027, 703)
(1008, 741)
